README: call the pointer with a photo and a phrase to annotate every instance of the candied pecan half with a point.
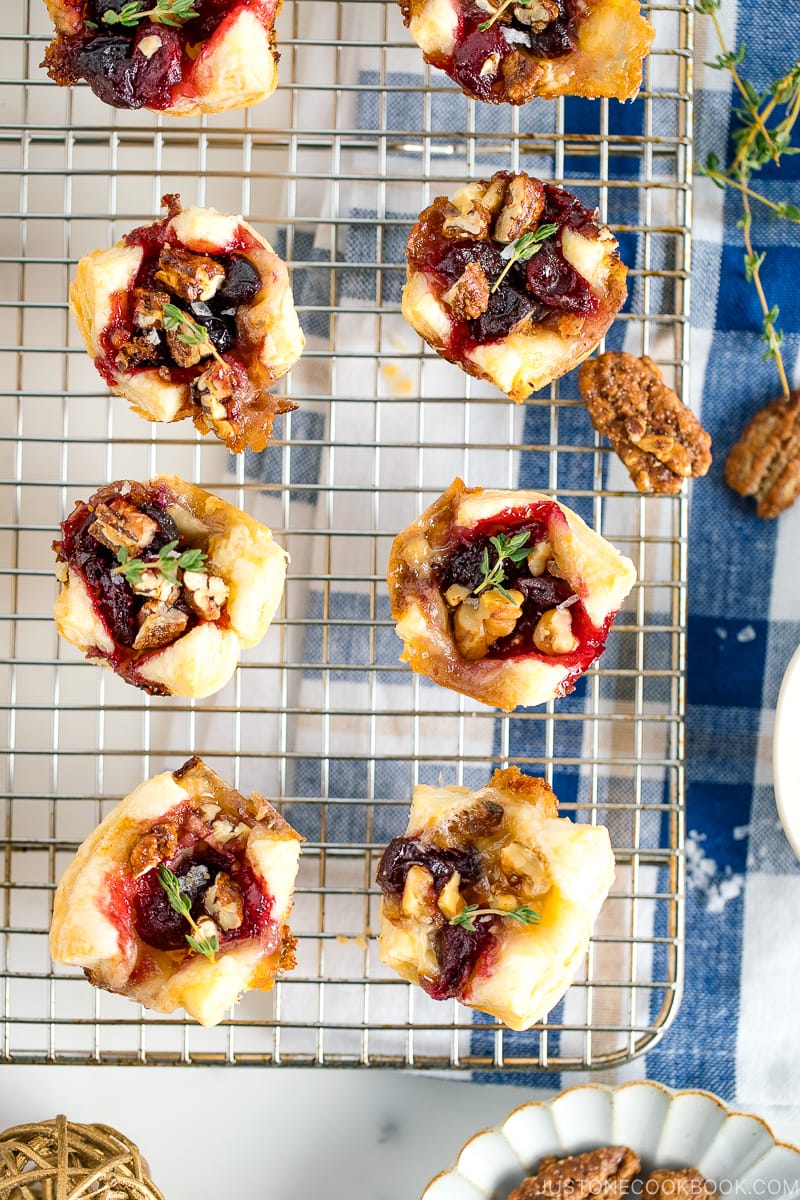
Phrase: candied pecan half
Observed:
(469, 295)
(765, 462)
(658, 438)
(154, 847)
(687, 1184)
(190, 276)
(523, 206)
(607, 1172)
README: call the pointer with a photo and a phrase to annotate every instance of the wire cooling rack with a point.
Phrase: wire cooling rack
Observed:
(322, 717)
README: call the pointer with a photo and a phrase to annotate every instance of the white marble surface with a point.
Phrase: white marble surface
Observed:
(283, 1134)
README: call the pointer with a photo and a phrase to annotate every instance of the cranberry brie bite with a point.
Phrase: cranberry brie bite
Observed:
(505, 596)
(512, 50)
(181, 896)
(182, 57)
(490, 897)
(166, 584)
(192, 316)
(513, 280)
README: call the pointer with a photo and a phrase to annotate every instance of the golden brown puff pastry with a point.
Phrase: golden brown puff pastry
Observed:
(192, 316)
(501, 51)
(166, 584)
(505, 596)
(229, 862)
(464, 856)
(513, 280)
(181, 57)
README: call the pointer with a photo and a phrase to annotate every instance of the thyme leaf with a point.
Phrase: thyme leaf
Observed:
(466, 918)
(163, 12)
(512, 548)
(167, 563)
(179, 902)
(190, 332)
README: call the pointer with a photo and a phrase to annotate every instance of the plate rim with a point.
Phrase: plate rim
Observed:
(610, 1090)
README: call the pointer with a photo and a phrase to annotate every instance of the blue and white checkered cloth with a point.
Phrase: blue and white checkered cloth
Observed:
(737, 1031)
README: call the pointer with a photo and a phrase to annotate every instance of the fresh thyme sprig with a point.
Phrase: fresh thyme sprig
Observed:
(509, 549)
(180, 903)
(466, 918)
(522, 249)
(190, 332)
(757, 143)
(167, 563)
(163, 12)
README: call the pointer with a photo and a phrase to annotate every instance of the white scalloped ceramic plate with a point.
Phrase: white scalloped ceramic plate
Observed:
(786, 753)
(736, 1152)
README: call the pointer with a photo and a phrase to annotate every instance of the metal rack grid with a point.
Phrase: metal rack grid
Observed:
(322, 717)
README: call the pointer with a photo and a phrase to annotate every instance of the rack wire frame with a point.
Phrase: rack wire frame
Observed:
(322, 717)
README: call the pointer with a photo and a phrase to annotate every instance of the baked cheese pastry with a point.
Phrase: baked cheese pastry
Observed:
(181, 896)
(513, 280)
(166, 584)
(181, 57)
(490, 897)
(501, 51)
(505, 596)
(192, 316)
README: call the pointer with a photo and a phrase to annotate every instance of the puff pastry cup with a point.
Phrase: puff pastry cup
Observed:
(506, 52)
(190, 57)
(505, 596)
(232, 862)
(513, 280)
(192, 316)
(166, 584)
(467, 860)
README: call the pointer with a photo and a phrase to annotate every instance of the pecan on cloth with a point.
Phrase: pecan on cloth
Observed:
(765, 462)
(606, 1173)
(658, 438)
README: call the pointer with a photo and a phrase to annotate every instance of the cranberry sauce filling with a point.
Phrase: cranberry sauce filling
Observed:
(113, 597)
(532, 290)
(475, 45)
(125, 74)
(197, 868)
(463, 566)
(136, 339)
(457, 949)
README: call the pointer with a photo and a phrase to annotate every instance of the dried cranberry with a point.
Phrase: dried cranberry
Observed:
(464, 566)
(98, 8)
(155, 920)
(455, 259)
(470, 57)
(403, 853)
(543, 591)
(457, 951)
(168, 530)
(564, 208)
(242, 281)
(555, 283)
(219, 330)
(507, 308)
(557, 38)
(122, 76)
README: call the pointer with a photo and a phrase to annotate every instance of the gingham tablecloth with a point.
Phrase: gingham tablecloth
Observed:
(737, 1032)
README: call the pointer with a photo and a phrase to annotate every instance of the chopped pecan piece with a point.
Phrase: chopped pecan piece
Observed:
(472, 219)
(156, 586)
(537, 13)
(657, 437)
(479, 820)
(205, 594)
(765, 462)
(159, 625)
(122, 524)
(142, 351)
(469, 295)
(223, 901)
(607, 1172)
(479, 621)
(522, 209)
(687, 1184)
(155, 847)
(148, 307)
(190, 276)
(186, 355)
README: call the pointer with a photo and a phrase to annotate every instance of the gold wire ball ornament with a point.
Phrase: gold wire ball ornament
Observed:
(59, 1160)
